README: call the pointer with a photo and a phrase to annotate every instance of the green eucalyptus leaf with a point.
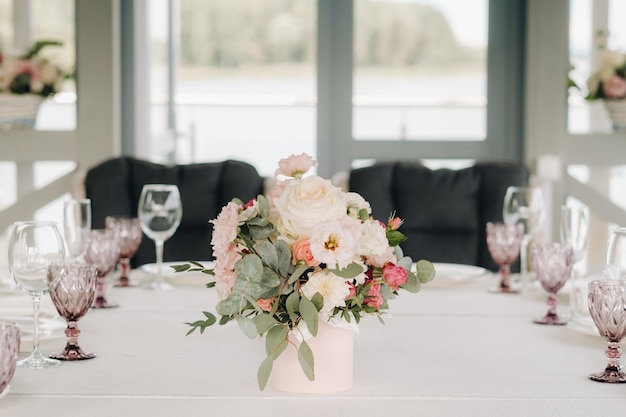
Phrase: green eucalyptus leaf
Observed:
(247, 326)
(263, 205)
(258, 221)
(275, 336)
(263, 322)
(263, 374)
(307, 363)
(292, 304)
(297, 273)
(349, 271)
(318, 301)
(309, 314)
(235, 303)
(260, 232)
(425, 271)
(268, 253)
(284, 257)
(412, 284)
(180, 268)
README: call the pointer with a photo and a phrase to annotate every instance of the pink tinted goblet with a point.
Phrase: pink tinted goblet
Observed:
(103, 251)
(607, 306)
(553, 263)
(130, 233)
(503, 242)
(72, 297)
(9, 350)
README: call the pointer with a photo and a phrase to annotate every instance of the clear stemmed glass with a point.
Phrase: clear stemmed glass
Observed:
(553, 264)
(524, 205)
(615, 261)
(9, 351)
(160, 212)
(103, 251)
(607, 306)
(130, 233)
(77, 227)
(575, 231)
(503, 242)
(72, 296)
(33, 247)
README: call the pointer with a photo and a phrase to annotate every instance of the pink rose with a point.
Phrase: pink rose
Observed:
(614, 87)
(266, 303)
(394, 223)
(374, 297)
(395, 275)
(301, 250)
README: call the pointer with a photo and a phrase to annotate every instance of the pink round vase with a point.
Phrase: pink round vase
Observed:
(333, 355)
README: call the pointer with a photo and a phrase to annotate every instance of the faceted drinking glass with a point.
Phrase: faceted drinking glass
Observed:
(103, 251)
(72, 296)
(9, 351)
(553, 264)
(607, 306)
(503, 242)
(130, 233)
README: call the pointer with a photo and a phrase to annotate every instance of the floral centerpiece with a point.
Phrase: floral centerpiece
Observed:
(307, 251)
(608, 82)
(30, 73)
(25, 80)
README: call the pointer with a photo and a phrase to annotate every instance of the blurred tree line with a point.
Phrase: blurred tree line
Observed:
(235, 33)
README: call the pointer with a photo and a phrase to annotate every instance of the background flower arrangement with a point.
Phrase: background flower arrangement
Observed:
(31, 73)
(608, 81)
(305, 252)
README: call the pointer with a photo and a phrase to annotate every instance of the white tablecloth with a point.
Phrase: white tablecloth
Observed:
(451, 350)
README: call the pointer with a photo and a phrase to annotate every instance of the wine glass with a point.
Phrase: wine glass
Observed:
(103, 251)
(607, 306)
(575, 231)
(553, 264)
(130, 233)
(33, 247)
(76, 226)
(9, 351)
(503, 242)
(160, 212)
(72, 296)
(615, 261)
(524, 205)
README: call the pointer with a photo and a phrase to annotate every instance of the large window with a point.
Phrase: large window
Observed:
(420, 69)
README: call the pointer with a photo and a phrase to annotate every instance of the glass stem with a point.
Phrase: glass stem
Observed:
(159, 260)
(552, 303)
(505, 273)
(124, 270)
(613, 354)
(524, 262)
(36, 301)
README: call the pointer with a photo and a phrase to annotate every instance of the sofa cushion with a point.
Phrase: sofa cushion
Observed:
(445, 211)
(114, 187)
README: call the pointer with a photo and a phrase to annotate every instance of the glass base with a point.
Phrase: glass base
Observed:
(5, 391)
(37, 361)
(125, 282)
(72, 353)
(611, 375)
(159, 286)
(101, 302)
(551, 320)
(505, 290)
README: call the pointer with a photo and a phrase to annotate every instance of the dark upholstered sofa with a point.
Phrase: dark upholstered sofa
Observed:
(445, 211)
(114, 187)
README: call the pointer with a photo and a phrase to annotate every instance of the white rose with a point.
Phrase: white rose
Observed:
(332, 288)
(305, 203)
